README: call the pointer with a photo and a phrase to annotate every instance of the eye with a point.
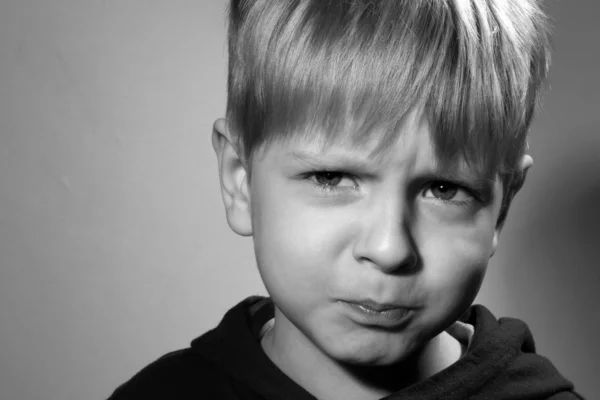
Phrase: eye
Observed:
(328, 178)
(331, 181)
(448, 192)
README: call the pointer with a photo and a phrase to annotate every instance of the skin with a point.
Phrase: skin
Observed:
(388, 229)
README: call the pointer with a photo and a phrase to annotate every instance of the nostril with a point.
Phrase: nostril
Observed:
(398, 257)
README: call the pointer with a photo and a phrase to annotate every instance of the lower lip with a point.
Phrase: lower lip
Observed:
(390, 318)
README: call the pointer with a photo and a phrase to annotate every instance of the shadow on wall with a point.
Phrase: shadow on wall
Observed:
(553, 268)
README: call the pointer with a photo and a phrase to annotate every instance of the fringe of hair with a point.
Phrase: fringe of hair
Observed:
(341, 70)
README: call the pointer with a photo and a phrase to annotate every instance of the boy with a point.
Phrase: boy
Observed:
(372, 150)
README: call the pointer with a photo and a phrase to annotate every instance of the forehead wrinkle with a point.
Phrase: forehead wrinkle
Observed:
(364, 147)
(350, 154)
(376, 140)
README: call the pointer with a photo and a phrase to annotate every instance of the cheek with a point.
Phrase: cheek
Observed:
(295, 246)
(455, 260)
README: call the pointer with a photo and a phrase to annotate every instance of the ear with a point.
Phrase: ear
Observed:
(526, 163)
(233, 178)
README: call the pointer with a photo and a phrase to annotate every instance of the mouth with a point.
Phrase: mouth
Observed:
(377, 314)
(374, 306)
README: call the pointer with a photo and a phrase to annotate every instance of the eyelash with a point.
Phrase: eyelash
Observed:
(332, 190)
(329, 189)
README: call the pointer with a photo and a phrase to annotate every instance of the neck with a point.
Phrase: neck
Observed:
(325, 378)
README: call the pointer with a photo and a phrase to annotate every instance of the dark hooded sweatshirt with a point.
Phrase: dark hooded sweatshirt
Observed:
(228, 362)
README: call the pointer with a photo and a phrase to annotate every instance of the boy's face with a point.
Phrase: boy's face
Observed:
(336, 250)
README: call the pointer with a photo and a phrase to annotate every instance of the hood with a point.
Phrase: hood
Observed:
(500, 362)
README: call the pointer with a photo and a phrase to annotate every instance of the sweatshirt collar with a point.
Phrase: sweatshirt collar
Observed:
(491, 346)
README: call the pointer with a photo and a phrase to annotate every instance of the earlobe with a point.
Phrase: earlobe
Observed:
(233, 179)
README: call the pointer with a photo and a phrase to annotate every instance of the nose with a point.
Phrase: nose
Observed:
(385, 240)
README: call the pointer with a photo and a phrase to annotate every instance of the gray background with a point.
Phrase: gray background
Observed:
(113, 243)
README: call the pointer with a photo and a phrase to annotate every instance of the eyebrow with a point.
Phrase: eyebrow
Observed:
(360, 162)
(307, 157)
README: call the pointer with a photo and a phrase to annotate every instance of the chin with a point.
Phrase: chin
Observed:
(373, 360)
(372, 353)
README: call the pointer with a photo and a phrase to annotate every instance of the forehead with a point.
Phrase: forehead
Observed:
(410, 139)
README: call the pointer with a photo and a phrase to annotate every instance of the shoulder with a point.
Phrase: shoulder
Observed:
(504, 353)
(181, 374)
(215, 366)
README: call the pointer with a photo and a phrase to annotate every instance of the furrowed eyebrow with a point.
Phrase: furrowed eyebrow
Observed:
(333, 159)
(479, 182)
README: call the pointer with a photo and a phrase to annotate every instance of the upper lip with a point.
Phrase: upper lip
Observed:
(376, 306)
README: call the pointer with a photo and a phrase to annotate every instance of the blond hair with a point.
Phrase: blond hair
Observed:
(341, 68)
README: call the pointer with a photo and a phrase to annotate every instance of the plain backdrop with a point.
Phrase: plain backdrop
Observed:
(114, 247)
